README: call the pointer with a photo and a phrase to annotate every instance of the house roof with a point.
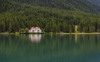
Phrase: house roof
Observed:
(34, 27)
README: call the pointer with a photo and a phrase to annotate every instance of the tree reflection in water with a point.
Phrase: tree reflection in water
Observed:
(35, 38)
(52, 48)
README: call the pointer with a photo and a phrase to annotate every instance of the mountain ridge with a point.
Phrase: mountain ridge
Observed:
(96, 2)
(82, 5)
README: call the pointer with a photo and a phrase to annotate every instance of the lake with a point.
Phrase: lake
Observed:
(49, 48)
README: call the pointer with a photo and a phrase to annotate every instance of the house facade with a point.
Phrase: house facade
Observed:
(35, 30)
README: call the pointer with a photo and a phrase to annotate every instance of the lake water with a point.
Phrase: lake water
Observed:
(49, 48)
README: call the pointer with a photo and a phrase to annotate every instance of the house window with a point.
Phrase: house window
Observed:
(38, 30)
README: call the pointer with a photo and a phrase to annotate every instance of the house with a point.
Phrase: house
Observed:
(35, 30)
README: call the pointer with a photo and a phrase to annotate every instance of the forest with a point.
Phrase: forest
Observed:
(76, 5)
(97, 2)
(16, 16)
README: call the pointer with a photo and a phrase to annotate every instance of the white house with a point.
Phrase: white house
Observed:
(35, 30)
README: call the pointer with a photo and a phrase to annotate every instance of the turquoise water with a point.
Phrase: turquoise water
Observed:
(49, 48)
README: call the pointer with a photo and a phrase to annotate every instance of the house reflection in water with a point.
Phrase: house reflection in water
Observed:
(35, 38)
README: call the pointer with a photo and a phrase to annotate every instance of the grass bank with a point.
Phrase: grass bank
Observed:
(78, 33)
(47, 33)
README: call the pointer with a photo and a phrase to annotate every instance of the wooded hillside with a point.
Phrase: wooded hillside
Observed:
(16, 16)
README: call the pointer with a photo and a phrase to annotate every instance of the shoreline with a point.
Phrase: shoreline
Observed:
(4, 33)
(50, 33)
(79, 33)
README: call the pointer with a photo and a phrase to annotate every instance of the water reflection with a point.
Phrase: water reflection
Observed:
(35, 38)
(76, 38)
(55, 48)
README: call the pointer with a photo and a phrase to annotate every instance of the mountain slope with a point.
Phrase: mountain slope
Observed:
(97, 2)
(77, 5)
(19, 16)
